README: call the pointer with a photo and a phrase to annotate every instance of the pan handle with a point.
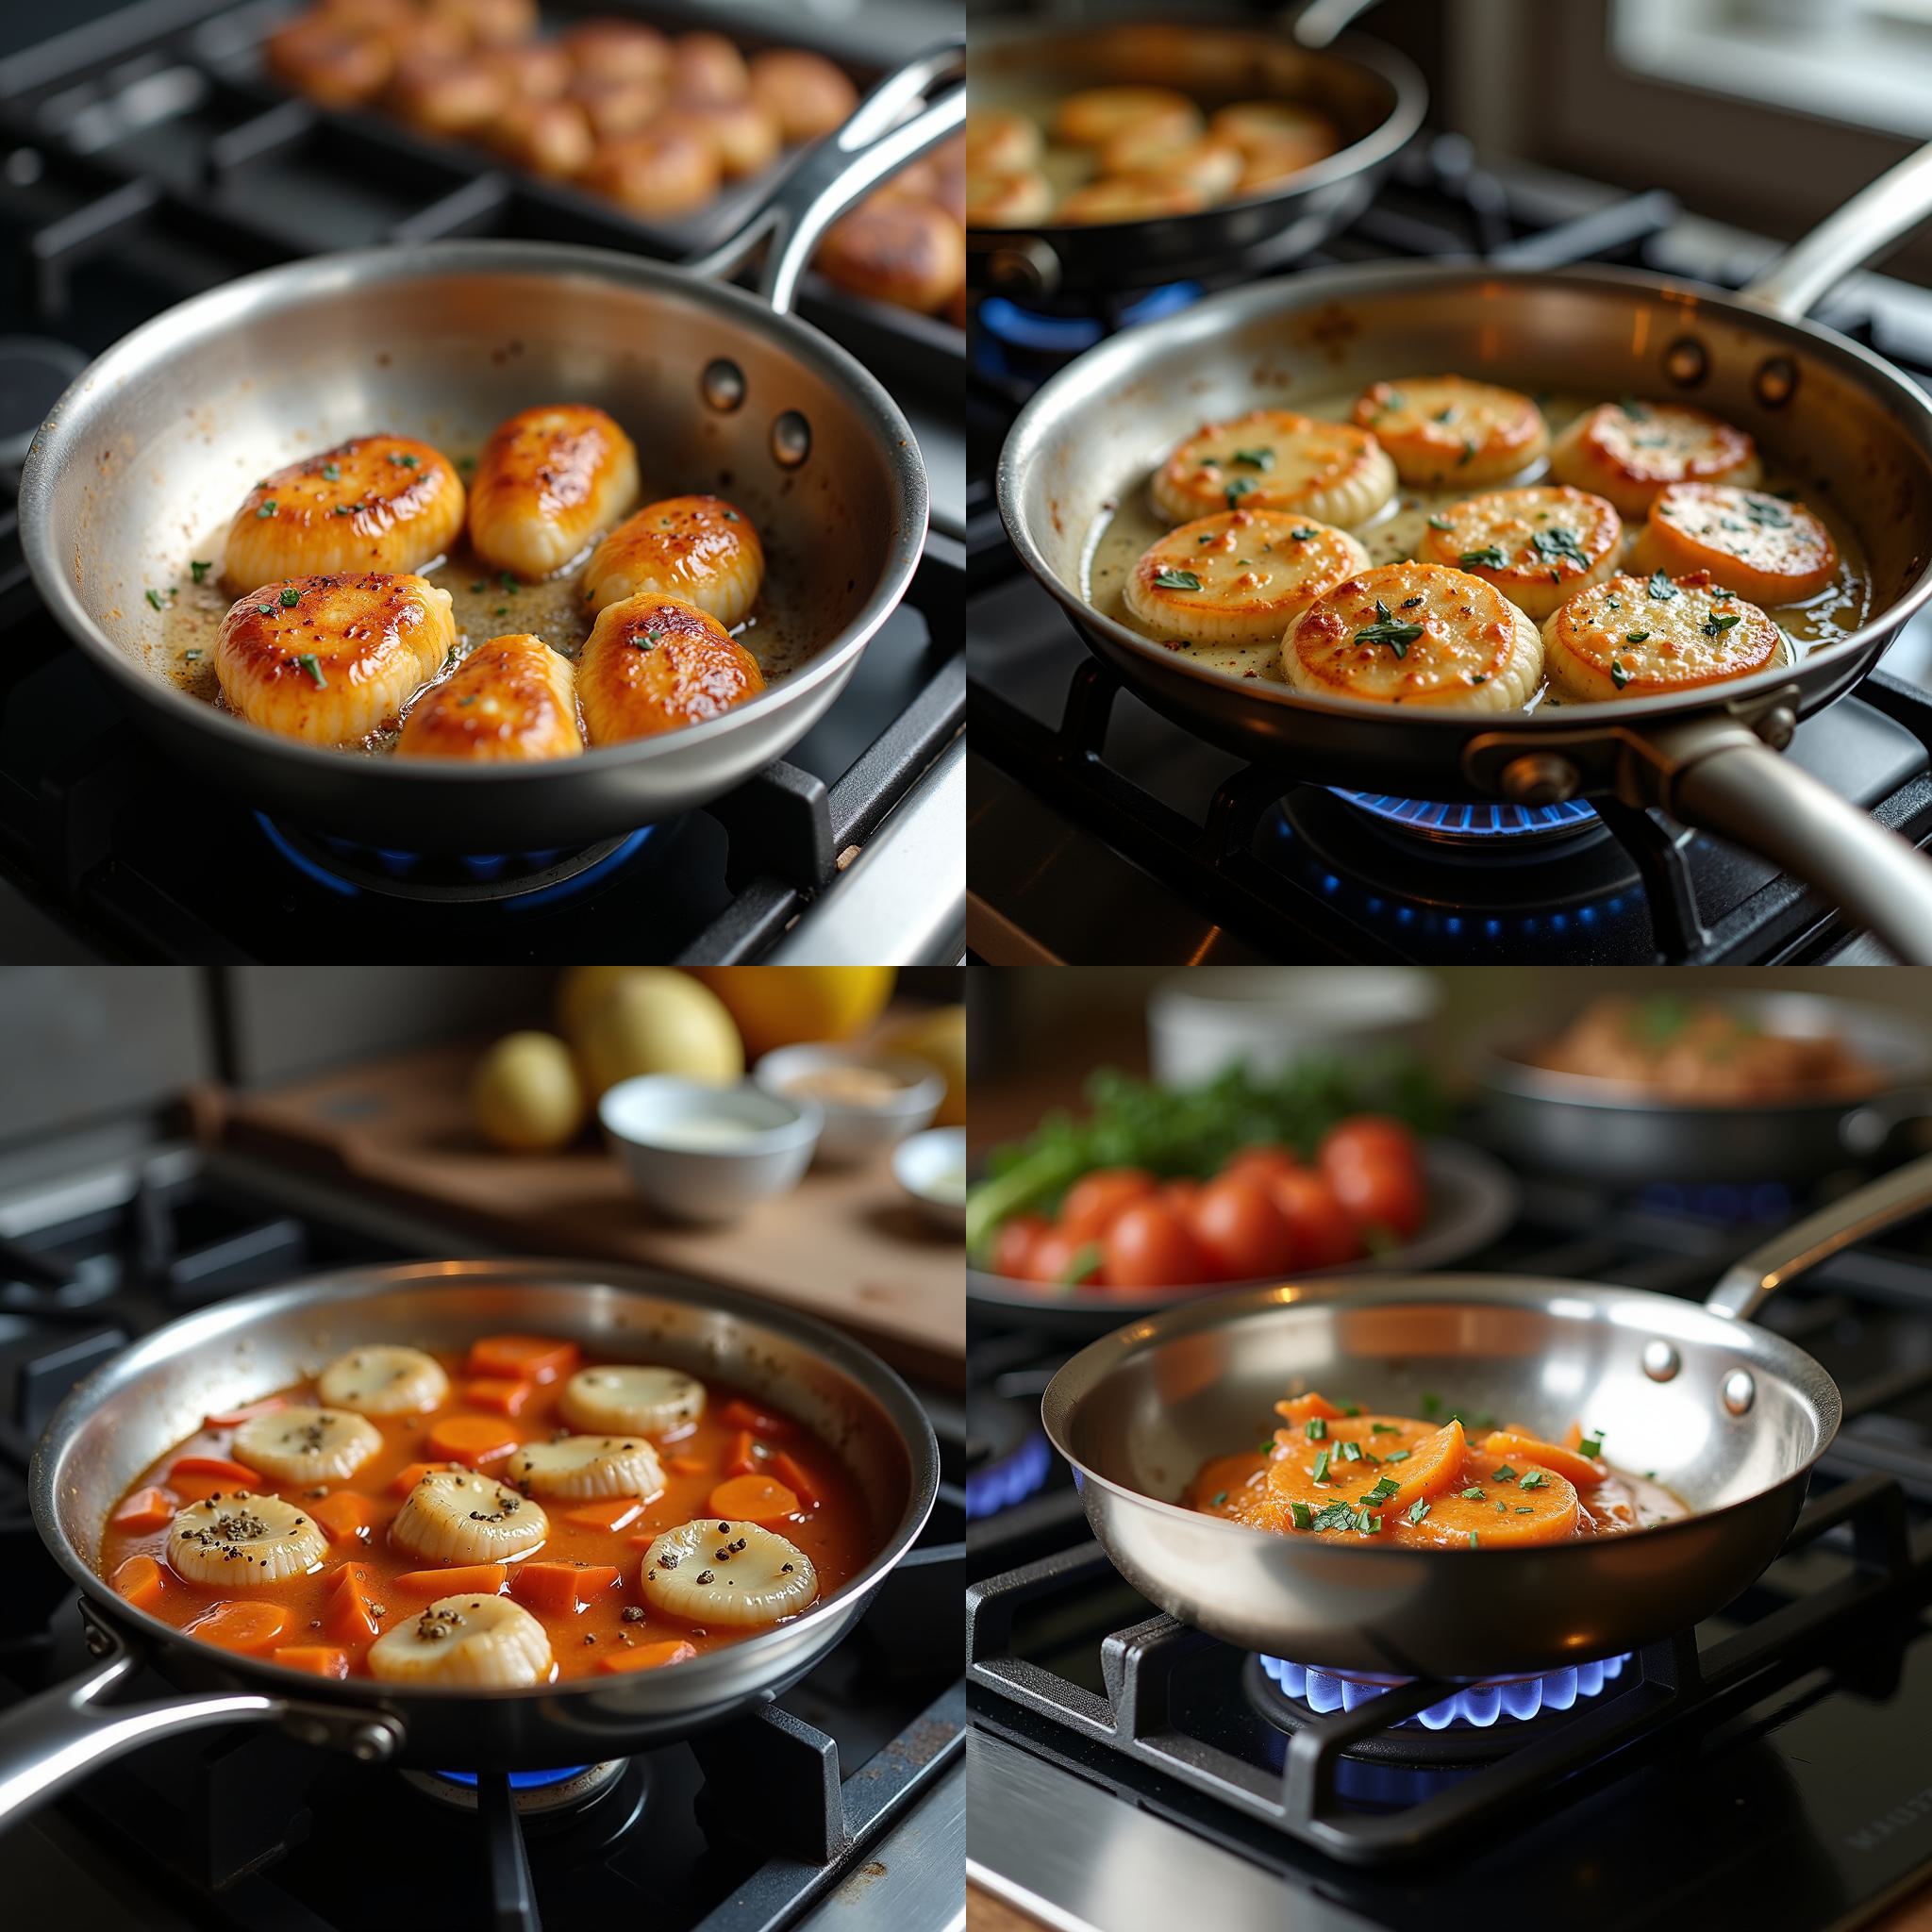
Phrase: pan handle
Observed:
(1747, 1285)
(842, 168)
(1723, 779)
(1321, 21)
(1893, 205)
(60, 1735)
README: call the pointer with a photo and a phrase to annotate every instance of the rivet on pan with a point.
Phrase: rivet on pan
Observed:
(1776, 382)
(1778, 727)
(790, 440)
(372, 1743)
(723, 385)
(1539, 779)
(1660, 1361)
(98, 1642)
(1686, 364)
(1740, 1391)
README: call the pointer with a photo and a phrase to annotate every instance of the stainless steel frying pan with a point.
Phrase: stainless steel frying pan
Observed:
(162, 435)
(1375, 96)
(1571, 1124)
(127, 1414)
(1728, 1415)
(1834, 413)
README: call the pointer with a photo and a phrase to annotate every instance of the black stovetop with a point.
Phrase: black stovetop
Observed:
(744, 1830)
(1091, 813)
(1768, 1768)
(144, 159)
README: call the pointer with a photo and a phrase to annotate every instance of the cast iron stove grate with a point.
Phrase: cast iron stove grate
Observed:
(1090, 810)
(745, 1829)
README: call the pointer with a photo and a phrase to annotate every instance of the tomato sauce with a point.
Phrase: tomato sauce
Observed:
(735, 1429)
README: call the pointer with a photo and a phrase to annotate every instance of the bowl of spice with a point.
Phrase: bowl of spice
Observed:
(871, 1101)
(697, 1151)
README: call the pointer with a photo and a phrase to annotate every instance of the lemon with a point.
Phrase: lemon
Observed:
(781, 1005)
(525, 1093)
(580, 988)
(654, 1020)
(939, 1036)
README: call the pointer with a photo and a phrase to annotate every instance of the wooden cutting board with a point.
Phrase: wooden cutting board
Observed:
(845, 1245)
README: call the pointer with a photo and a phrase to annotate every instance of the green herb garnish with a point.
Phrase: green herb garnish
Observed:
(1489, 556)
(310, 664)
(1176, 580)
(200, 571)
(1301, 1515)
(1254, 458)
(1660, 587)
(1317, 1427)
(1418, 1509)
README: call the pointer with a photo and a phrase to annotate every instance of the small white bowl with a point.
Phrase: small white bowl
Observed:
(642, 1119)
(854, 1131)
(921, 1161)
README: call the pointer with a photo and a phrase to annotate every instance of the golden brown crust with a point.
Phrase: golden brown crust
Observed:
(535, 71)
(1760, 546)
(548, 480)
(449, 96)
(802, 92)
(1276, 459)
(1000, 143)
(513, 698)
(742, 134)
(1007, 201)
(546, 137)
(912, 253)
(489, 23)
(380, 503)
(697, 548)
(336, 64)
(657, 172)
(616, 108)
(1096, 114)
(653, 664)
(1539, 546)
(1447, 431)
(618, 49)
(1632, 452)
(1645, 637)
(706, 69)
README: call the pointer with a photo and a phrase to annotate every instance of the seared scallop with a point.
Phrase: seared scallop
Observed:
(1283, 134)
(1007, 201)
(513, 698)
(1275, 460)
(306, 1445)
(488, 23)
(804, 92)
(336, 63)
(457, 1515)
(707, 68)
(1632, 452)
(910, 253)
(699, 548)
(736, 1574)
(1240, 577)
(551, 138)
(548, 481)
(1095, 115)
(329, 660)
(237, 1541)
(1760, 546)
(742, 134)
(659, 171)
(1539, 546)
(445, 94)
(1144, 198)
(653, 664)
(1416, 634)
(1445, 429)
(1000, 143)
(468, 1643)
(1203, 166)
(383, 1378)
(621, 49)
(380, 503)
(536, 70)
(615, 106)
(1643, 637)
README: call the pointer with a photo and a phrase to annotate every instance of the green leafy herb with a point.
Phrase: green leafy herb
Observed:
(1317, 1427)
(402, 457)
(1534, 1481)
(1387, 630)
(1720, 621)
(1303, 532)
(1489, 556)
(1591, 1446)
(1383, 1429)
(1237, 488)
(1351, 1452)
(1525, 1509)
(1319, 1471)
(1636, 637)
(267, 510)
(1441, 523)
(310, 664)
(332, 471)
(1619, 676)
(1661, 589)
(1300, 1515)
(1254, 458)
(1474, 1541)
(1560, 543)
(1176, 580)
(1418, 1509)
(1398, 1455)
(1382, 1491)
(1221, 1497)
(290, 597)
(154, 597)
(1505, 1473)
(264, 610)
(1474, 1495)
(200, 571)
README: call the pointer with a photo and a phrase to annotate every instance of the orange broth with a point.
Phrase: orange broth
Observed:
(830, 1526)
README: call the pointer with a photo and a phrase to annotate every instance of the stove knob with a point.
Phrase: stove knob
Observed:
(1540, 777)
(1024, 270)
(1777, 726)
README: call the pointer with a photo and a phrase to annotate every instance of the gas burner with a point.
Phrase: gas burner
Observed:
(1012, 339)
(1000, 1485)
(1007, 1456)
(1488, 825)
(545, 1799)
(1515, 1699)
(518, 881)
(1724, 1203)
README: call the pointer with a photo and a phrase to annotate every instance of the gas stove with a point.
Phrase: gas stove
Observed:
(841, 1802)
(1093, 815)
(1769, 1767)
(144, 159)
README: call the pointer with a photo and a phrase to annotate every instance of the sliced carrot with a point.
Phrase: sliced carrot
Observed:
(344, 1515)
(1316, 1474)
(235, 1475)
(472, 1439)
(786, 1469)
(614, 1515)
(561, 1588)
(1484, 1510)
(350, 1616)
(742, 1461)
(470, 1579)
(234, 1418)
(1573, 1436)
(496, 1391)
(1302, 1406)
(1566, 1463)
(406, 1480)
(318, 1660)
(647, 1656)
(140, 1581)
(240, 1626)
(148, 1509)
(740, 1414)
(752, 1499)
(522, 1358)
(687, 1465)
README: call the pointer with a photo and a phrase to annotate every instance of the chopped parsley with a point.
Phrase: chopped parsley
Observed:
(310, 664)
(1418, 1509)
(1561, 545)
(267, 510)
(1441, 523)
(1489, 556)
(1317, 1428)
(1636, 637)
(1619, 676)
(1302, 534)
(154, 597)
(1351, 1452)
(1534, 1481)
(290, 597)
(1474, 1495)
(1176, 580)
(1661, 589)
(1321, 1469)
(1387, 630)
(200, 571)
(1254, 458)
(1718, 622)
(1301, 1515)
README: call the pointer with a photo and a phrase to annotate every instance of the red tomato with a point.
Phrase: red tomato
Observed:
(1325, 1237)
(1096, 1199)
(1052, 1259)
(1240, 1230)
(1180, 1196)
(1368, 1137)
(1263, 1159)
(1150, 1247)
(1012, 1248)
(1381, 1194)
